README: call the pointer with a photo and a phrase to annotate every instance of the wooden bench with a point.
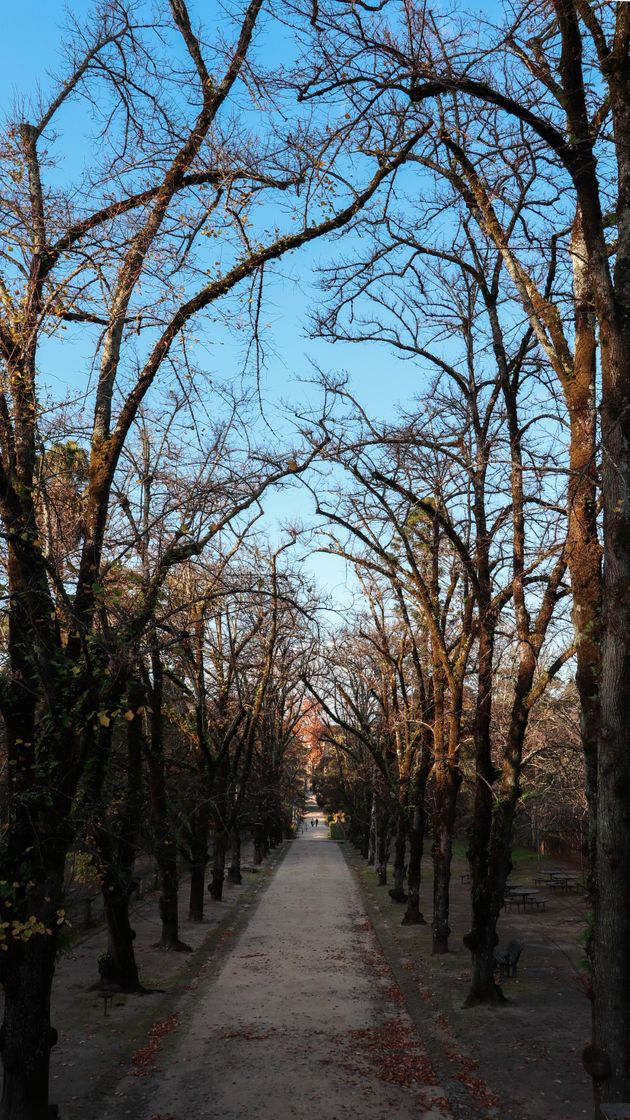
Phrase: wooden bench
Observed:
(560, 883)
(507, 960)
(79, 912)
(580, 887)
(107, 996)
(519, 901)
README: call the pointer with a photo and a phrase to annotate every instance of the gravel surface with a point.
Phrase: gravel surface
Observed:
(303, 1017)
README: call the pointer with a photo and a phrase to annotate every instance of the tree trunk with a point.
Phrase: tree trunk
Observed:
(446, 787)
(26, 1036)
(373, 842)
(115, 840)
(583, 548)
(277, 831)
(234, 870)
(259, 842)
(607, 1058)
(413, 915)
(199, 850)
(441, 843)
(168, 901)
(165, 848)
(120, 935)
(166, 859)
(382, 854)
(483, 987)
(196, 898)
(397, 893)
(215, 888)
(40, 790)
(490, 893)
(482, 938)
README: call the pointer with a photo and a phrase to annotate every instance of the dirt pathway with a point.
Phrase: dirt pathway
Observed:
(302, 1018)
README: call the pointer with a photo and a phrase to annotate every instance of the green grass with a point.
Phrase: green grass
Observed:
(519, 855)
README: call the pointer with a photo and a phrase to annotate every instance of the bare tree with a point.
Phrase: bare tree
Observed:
(504, 553)
(121, 259)
(556, 76)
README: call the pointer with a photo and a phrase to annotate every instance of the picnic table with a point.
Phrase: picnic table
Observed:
(560, 880)
(525, 897)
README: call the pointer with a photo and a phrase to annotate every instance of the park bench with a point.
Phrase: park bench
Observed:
(539, 903)
(560, 883)
(577, 884)
(107, 996)
(556, 883)
(507, 960)
(615, 1111)
(79, 912)
(526, 900)
(146, 883)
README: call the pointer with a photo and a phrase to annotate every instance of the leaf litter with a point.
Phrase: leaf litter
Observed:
(143, 1060)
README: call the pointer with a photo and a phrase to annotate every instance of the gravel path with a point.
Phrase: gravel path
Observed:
(302, 1019)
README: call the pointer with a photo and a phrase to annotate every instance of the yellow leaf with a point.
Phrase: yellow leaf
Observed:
(104, 719)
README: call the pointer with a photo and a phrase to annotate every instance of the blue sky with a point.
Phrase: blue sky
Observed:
(30, 50)
(30, 34)
(30, 47)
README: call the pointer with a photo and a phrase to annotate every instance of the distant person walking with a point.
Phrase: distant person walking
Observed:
(316, 822)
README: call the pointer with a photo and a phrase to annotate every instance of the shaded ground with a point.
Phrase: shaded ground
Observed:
(304, 994)
(95, 1049)
(527, 1055)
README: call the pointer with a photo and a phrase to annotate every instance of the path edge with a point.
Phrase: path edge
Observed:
(463, 1106)
(211, 956)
